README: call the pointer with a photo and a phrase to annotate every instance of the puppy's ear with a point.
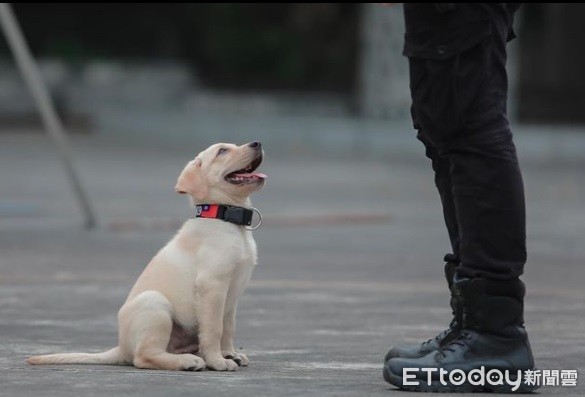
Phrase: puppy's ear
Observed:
(191, 180)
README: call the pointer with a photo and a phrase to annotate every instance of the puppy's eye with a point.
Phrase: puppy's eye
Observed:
(221, 151)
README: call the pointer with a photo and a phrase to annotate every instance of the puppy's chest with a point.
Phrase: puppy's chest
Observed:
(247, 255)
(231, 253)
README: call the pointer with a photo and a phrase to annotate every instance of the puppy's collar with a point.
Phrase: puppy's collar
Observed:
(237, 215)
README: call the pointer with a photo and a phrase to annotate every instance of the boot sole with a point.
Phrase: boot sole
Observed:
(438, 387)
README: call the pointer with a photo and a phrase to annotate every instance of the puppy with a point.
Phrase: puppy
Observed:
(180, 314)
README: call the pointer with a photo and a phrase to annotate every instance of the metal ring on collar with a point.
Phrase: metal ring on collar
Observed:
(259, 220)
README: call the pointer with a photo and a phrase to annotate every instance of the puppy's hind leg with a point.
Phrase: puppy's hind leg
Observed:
(147, 324)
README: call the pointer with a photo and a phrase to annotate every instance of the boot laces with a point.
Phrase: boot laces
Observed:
(442, 335)
(460, 340)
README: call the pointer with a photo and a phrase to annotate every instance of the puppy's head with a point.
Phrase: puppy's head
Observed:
(223, 173)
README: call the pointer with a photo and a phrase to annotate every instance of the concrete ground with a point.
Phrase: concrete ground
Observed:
(350, 264)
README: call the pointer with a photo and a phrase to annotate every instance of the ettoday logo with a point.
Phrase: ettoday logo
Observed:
(493, 377)
(458, 377)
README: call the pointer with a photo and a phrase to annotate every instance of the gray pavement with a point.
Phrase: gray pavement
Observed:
(350, 263)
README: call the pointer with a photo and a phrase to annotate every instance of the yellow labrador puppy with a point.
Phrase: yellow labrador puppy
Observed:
(180, 314)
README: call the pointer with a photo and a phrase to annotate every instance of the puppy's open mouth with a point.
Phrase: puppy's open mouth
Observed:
(247, 174)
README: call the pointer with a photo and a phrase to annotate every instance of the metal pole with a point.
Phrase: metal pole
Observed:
(53, 125)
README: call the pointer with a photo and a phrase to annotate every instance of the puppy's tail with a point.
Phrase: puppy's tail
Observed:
(112, 357)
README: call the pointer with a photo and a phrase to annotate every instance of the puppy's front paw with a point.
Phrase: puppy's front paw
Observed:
(239, 358)
(221, 364)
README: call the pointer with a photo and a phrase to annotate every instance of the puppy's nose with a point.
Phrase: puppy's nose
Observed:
(255, 145)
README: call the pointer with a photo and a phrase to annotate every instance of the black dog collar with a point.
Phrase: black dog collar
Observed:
(228, 213)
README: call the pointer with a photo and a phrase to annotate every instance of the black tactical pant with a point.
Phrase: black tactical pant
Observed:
(459, 110)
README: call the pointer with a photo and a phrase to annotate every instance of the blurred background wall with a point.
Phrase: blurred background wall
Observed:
(130, 67)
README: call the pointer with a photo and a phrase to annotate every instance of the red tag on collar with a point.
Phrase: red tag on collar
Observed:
(207, 211)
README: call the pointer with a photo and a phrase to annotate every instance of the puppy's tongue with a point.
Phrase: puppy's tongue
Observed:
(252, 175)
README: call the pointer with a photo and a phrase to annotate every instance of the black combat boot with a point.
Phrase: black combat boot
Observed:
(424, 348)
(490, 353)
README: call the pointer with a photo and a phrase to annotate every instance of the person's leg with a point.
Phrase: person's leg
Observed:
(461, 106)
